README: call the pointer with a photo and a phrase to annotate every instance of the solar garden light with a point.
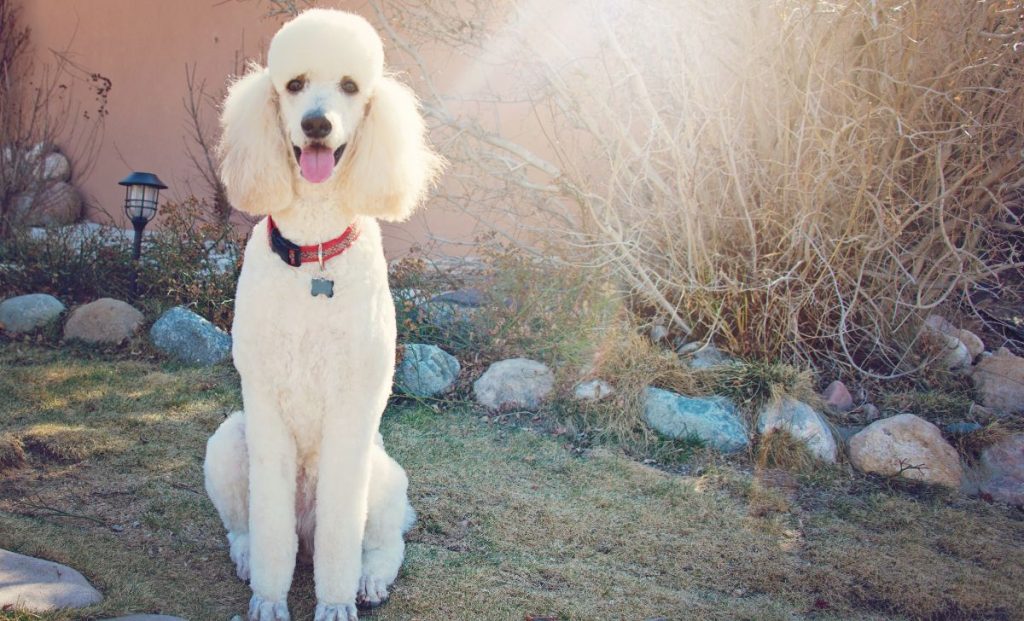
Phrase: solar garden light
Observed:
(142, 190)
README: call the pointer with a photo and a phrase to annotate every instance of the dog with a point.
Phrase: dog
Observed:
(323, 144)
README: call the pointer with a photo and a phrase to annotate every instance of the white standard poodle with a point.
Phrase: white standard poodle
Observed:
(324, 144)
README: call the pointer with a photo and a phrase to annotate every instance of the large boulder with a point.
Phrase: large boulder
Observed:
(190, 338)
(104, 321)
(28, 312)
(1002, 467)
(999, 379)
(41, 586)
(908, 446)
(426, 370)
(57, 204)
(518, 383)
(802, 422)
(713, 420)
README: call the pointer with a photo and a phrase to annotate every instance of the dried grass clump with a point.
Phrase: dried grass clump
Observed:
(778, 449)
(12, 452)
(64, 444)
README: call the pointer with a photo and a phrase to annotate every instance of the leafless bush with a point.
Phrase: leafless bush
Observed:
(795, 179)
(202, 152)
(38, 109)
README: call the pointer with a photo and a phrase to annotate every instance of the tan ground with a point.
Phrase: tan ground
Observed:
(512, 524)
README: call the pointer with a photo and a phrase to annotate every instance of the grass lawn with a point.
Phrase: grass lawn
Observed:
(512, 524)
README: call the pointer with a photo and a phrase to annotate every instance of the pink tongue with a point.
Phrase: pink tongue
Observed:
(316, 163)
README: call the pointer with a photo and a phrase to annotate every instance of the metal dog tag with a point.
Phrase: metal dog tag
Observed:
(322, 286)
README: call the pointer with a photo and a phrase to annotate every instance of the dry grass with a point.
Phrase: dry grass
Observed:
(511, 523)
(780, 450)
(12, 452)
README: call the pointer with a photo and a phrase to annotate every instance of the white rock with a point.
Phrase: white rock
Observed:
(515, 383)
(592, 390)
(55, 167)
(999, 379)
(40, 586)
(953, 353)
(802, 422)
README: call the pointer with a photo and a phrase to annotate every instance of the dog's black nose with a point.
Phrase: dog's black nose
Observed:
(316, 125)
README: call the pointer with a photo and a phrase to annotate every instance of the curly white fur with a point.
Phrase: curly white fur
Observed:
(304, 467)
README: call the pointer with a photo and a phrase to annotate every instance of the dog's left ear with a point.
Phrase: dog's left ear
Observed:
(389, 166)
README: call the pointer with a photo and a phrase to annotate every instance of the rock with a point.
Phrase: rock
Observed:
(104, 321)
(713, 420)
(848, 431)
(838, 397)
(939, 333)
(1003, 467)
(40, 586)
(190, 338)
(802, 422)
(28, 312)
(57, 204)
(999, 379)
(973, 343)
(963, 428)
(909, 446)
(443, 314)
(709, 357)
(470, 297)
(514, 383)
(146, 618)
(870, 412)
(426, 370)
(592, 390)
(658, 333)
(55, 167)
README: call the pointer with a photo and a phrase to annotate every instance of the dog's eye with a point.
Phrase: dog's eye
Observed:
(295, 85)
(349, 86)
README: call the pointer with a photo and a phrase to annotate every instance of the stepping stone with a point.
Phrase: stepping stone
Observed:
(40, 586)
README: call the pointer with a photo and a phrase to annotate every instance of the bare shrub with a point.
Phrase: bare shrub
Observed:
(794, 179)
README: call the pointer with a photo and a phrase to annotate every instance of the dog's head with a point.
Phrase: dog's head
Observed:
(322, 117)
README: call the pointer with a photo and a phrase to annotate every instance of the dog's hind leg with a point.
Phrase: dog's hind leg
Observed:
(226, 471)
(389, 516)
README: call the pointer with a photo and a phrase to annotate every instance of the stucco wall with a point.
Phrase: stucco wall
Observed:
(143, 47)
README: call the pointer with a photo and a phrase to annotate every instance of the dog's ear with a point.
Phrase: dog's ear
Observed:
(253, 149)
(389, 166)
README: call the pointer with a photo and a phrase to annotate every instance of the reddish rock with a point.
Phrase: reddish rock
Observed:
(908, 446)
(837, 397)
(999, 379)
(104, 321)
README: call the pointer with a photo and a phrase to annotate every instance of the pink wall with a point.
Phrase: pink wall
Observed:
(143, 47)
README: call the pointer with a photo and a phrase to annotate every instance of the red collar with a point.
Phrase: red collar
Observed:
(295, 255)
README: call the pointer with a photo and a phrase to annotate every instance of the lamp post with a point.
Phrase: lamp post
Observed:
(142, 190)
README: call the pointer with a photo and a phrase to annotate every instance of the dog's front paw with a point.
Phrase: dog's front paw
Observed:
(240, 554)
(262, 610)
(373, 592)
(335, 612)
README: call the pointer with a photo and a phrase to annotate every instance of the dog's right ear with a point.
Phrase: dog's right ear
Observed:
(253, 149)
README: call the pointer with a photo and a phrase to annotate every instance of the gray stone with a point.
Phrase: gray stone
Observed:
(708, 357)
(426, 370)
(962, 428)
(802, 422)
(28, 312)
(57, 204)
(443, 314)
(40, 586)
(518, 383)
(190, 338)
(658, 333)
(713, 420)
(999, 378)
(1003, 467)
(55, 167)
(104, 321)
(469, 296)
(870, 412)
(907, 446)
(592, 390)
(837, 397)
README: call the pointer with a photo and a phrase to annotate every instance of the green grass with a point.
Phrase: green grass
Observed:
(512, 521)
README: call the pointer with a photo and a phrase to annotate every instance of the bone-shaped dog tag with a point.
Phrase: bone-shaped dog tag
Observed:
(322, 286)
